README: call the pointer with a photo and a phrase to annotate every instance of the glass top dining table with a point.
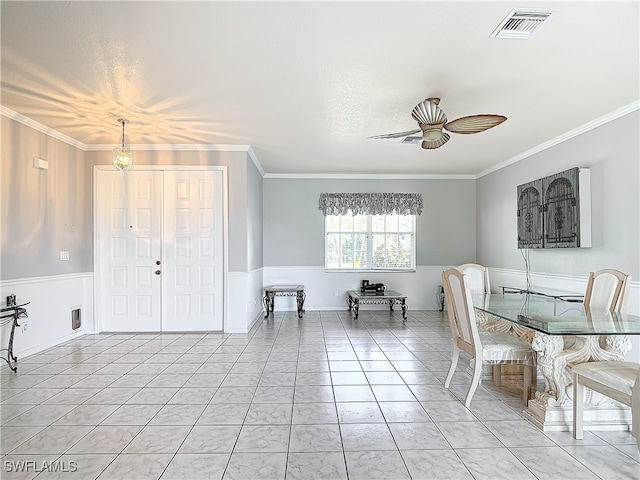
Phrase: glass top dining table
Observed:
(555, 317)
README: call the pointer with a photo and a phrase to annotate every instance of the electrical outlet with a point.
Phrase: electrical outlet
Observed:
(337, 293)
(64, 256)
(25, 325)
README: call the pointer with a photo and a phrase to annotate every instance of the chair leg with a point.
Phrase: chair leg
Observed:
(454, 363)
(526, 383)
(578, 407)
(635, 424)
(475, 380)
(635, 412)
(496, 373)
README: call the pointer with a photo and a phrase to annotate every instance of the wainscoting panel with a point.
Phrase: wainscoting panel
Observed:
(52, 300)
(328, 290)
(244, 300)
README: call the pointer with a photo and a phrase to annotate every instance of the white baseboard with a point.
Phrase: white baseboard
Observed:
(50, 344)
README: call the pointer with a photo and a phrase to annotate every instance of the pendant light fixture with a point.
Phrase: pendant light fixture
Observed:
(122, 157)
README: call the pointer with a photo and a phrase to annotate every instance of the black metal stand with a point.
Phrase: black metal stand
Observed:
(284, 291)
(11, 314)
(354, 300)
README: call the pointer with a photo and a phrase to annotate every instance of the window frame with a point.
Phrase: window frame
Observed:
(369, 236)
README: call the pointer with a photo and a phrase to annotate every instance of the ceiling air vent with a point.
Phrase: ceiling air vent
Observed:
(521, 23)
(411, 140)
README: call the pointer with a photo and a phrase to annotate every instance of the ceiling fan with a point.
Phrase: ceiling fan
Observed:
(431, 120)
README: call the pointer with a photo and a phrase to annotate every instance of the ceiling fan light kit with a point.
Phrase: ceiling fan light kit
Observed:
(433, 135)
(437, 143)
(432, 120)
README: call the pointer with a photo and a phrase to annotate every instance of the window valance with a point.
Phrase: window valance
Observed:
(371, 203)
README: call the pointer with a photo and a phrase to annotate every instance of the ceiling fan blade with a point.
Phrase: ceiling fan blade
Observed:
(430, 145)
(474, 123)
(397, 135)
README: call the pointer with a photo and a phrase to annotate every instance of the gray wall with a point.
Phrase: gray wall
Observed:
(48, 211)
(612, 153)
(43, 211)
(255, 224)
(294, 226)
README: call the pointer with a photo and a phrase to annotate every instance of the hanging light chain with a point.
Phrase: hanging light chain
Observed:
(123, 121)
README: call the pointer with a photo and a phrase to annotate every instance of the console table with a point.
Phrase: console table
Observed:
(546, 292)
(273, 291)
(389, 297)
(9, 314)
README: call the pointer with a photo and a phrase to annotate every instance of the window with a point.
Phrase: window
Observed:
(370, 242)
(370, 231)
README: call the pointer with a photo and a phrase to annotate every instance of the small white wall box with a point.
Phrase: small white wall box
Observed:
(40, 164)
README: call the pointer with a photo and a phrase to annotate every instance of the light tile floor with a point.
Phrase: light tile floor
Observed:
(325, 397)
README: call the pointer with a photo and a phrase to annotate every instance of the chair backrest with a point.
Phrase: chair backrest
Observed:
(476, 278)
(624, 295)
(604, 289)
(462, 320)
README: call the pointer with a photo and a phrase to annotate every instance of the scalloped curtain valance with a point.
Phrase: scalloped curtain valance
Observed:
(371, 203)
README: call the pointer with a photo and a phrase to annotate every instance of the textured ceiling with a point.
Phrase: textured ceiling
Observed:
(305, 83)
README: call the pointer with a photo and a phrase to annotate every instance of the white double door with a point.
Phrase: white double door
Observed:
(159, 251)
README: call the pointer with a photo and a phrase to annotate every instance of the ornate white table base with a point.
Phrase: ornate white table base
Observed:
(552, 408)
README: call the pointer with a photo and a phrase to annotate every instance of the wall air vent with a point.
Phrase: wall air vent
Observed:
(76, 319)
(411, 140)
(521, 23)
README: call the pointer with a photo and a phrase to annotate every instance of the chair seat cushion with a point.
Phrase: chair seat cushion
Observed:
(502, 347)
(617, 375)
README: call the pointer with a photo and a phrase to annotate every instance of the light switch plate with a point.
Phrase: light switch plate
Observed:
(64, 256)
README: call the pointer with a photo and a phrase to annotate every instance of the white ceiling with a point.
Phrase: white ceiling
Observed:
(305, 83)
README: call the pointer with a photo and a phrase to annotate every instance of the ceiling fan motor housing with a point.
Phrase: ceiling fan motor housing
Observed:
(428, 114)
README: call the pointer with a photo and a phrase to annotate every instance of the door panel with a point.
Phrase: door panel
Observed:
(192, 273)
(171, 217)
(129, 243)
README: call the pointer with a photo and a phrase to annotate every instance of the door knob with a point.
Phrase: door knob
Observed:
(157, 272)
(157, 262)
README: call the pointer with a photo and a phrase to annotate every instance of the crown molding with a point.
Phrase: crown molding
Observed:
(7, 112)
(625, 110)
(369, 176)
(191, 147)
(598, 122)
(13, 115)
(254, 159)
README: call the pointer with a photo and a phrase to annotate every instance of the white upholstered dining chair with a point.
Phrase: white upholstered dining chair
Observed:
(607, 288)
(484, 347)
(617, 380)
(476, 278)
